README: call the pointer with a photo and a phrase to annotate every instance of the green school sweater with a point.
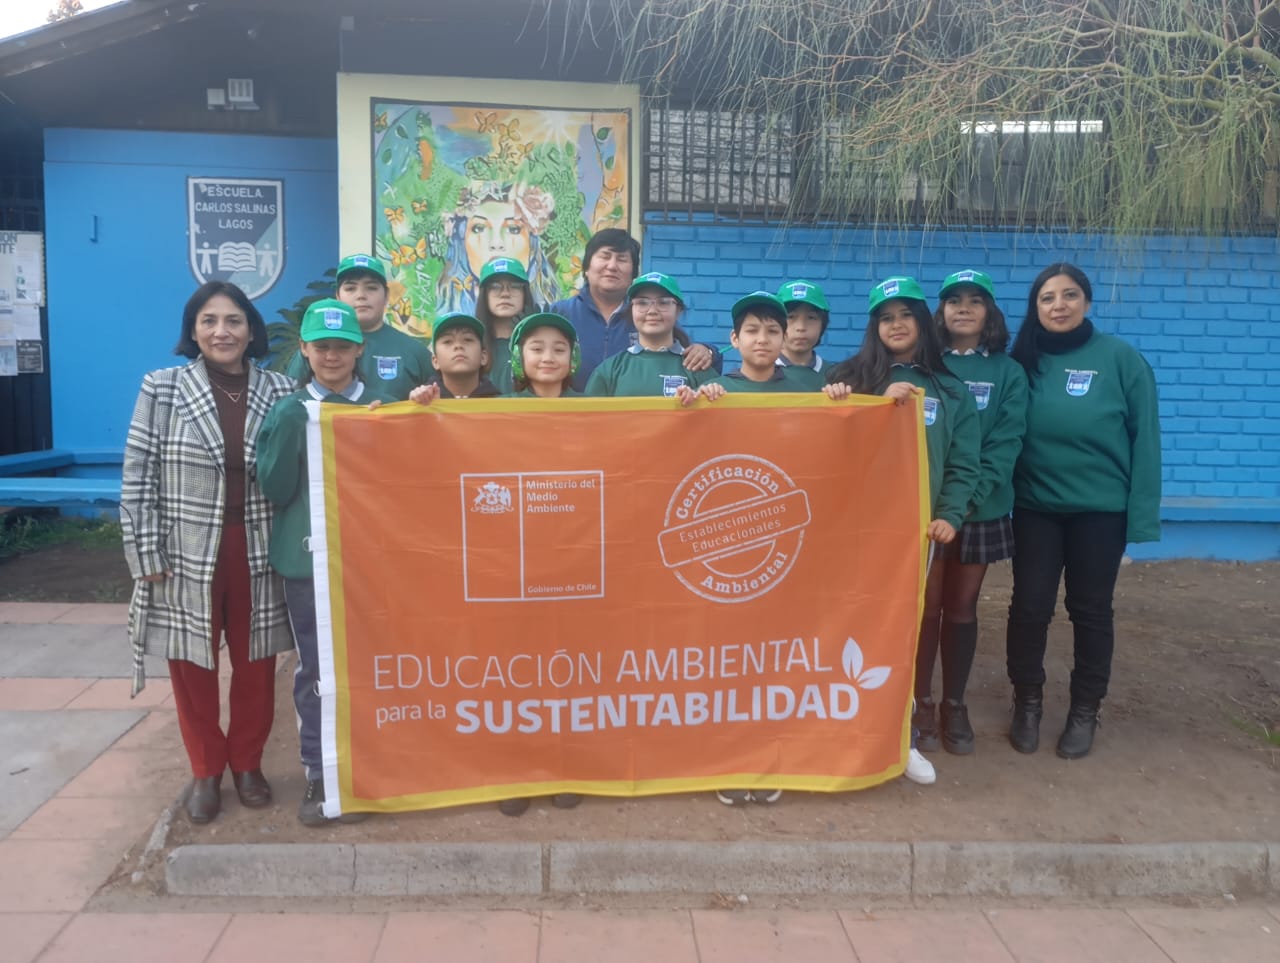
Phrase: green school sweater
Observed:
(528, 393)
(783, 380)
(638, 372)
(803, 377)
(952, 438)
(999, 389)
(500, 368)
(1093, 436)
(282, 473)
(393, 361)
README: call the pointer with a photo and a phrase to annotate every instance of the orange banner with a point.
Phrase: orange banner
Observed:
(616, 596)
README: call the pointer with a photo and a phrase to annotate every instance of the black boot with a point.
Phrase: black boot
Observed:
(957, 734)
(1077, 738)
(925, 721)
(1028, 707)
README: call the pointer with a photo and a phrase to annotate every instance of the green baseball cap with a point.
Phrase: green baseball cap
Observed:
(657, 279)
(362, 262)
(544, 320)
(456, 319)
(328, 318)
(896, 287)
(758, 299)
(504, 267)
(804, 292)
(975, 278)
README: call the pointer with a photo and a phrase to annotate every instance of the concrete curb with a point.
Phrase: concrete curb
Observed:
(1085, 871)
(861, 869)
(444, 869)
(159, 836)
(1089, 870)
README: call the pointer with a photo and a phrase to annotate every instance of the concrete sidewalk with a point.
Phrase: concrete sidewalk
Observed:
(87, 772)
(678, 936)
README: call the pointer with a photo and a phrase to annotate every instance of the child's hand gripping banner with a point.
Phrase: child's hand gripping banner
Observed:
(615, 596)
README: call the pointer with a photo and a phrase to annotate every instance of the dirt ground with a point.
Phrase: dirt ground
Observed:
(1182, 753)
(66, 573)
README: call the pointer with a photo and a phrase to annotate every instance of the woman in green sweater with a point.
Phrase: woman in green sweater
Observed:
(973, 332)
(1086, 483)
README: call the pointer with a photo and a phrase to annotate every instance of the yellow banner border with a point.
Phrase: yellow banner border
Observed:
(612, 788)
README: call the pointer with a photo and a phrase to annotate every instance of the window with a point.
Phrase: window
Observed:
(726, 162)
(744, 165)
(1026, 168)
(21, 180)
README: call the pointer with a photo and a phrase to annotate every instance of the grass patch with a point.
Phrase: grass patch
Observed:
(22, 532)
(1264, 734)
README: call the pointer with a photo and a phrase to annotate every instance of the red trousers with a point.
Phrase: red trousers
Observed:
(252, 696)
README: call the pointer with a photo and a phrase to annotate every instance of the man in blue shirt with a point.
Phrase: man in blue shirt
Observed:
(600, 311)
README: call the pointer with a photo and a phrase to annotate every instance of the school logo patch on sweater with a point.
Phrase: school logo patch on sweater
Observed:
(981, 391)
(388, 368)
(930, 411)
(1078, 382)
(671, 384)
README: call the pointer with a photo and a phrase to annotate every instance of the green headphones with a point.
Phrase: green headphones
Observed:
(544, 320)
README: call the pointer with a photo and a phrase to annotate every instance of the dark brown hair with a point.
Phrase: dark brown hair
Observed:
(187, 347)
(485, 316)
(1026, 350)
(615, 239)
(995, 331)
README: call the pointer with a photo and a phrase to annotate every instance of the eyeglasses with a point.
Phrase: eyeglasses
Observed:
(504, 287)
(644, 304)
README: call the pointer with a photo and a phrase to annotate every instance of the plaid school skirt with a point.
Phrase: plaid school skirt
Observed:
(981, 543)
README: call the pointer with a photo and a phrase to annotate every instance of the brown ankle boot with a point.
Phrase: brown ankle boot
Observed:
(205, 800)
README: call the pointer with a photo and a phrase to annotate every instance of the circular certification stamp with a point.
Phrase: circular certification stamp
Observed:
(733, 528)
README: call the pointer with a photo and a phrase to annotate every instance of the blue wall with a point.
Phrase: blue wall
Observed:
(1204, 311)
(115, 304)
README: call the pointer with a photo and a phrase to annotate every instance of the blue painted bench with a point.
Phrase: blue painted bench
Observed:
(61, 478)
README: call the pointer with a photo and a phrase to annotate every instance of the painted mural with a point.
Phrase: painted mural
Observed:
(458, 184)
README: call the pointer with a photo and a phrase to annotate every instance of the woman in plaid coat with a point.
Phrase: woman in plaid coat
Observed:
(196, 531)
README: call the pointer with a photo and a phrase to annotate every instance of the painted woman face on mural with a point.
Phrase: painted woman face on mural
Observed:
(496, 228)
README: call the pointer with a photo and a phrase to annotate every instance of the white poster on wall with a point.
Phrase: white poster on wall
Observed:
(26, 322)
(22, 267)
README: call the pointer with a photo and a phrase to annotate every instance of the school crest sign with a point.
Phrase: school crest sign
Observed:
(235, 231)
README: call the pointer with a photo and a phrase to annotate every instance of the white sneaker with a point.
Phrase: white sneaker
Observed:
(920, 769)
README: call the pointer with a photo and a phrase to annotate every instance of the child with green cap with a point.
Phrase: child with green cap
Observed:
(654, 365)
(331, 345)
(544, 357)
(395, 360)
(901, 347)
(460, 358)
(543, 361)
(807, 318)
(759, 327)
(973, 331)
(503, 299)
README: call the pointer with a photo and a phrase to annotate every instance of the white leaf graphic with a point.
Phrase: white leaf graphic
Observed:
(852, 659)
(874, 678)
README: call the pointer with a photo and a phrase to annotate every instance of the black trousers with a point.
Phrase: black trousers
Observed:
(1088, 546)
